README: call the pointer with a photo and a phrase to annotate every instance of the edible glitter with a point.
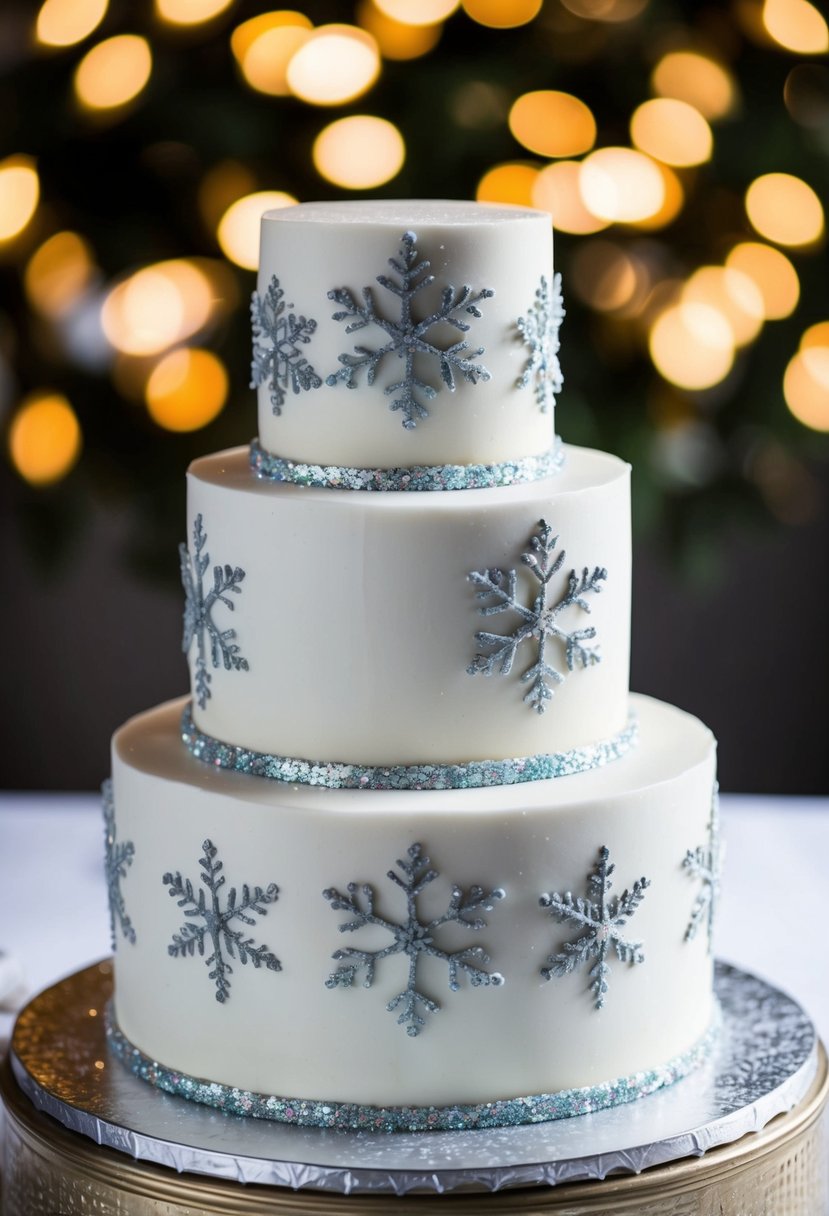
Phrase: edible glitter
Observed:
(270, 467)
(474, 775)
(501, 1112)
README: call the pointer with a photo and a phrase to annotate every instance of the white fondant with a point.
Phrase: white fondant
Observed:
(358, 620)
(314, 248)
(285, 1033)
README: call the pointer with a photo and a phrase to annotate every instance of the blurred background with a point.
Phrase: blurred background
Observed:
(683, 153)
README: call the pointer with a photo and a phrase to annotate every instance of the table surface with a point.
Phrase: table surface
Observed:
(54, 919)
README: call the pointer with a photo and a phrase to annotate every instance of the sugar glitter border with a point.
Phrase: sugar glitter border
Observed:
(477, 774)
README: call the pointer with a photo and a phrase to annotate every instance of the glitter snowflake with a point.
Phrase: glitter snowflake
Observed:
(539, 331)
(603, 920)
(408, 337)
(413, 937)
(540, 621)
(198, 612)
(277, 337)
(705, 863)
(117, 860)
(216, 921)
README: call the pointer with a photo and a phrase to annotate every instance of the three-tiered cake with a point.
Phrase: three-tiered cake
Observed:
(411, 856)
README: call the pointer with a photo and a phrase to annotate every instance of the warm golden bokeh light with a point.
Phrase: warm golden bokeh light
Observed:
(671, 131)
(19, 194)
(65, 22)
(816, 335)
(335, 64)
(692, 345)
(784, 209)
(417, 12)
(672, 202)
(550, 123)
(734, 294)
(611, 11)
(113, 72)
(44, 438)
(511, 183)
(556, 189)
(264, 46)
(222, 185)
(244, 36)
(156, 307)
(773, 274)
(359, 152)
(58, 273)
(397, 39)
(186, 389)
(238, 231)
(697, 80)
(190, 12)
(606, 277)
(502, 14)
(806, 387)
(621, 185)
(796, 25)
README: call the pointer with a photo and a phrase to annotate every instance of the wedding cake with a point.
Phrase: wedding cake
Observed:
(410, 856)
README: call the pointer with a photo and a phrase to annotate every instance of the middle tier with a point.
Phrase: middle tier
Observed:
(401, 629)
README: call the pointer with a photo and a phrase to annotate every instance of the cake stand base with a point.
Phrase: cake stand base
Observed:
(758, 1112)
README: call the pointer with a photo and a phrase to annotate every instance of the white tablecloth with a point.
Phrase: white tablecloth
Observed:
(773, 916)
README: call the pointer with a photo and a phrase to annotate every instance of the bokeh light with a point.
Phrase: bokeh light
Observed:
(264, 46)
(58, 273)
(113, 73)
(621, 185)
(692, 345)
(557, 189)
(337, 63)
(673, 200)
(190, 12)
(784, 209)
(609, 278)
(238, 231)
(222, 185)
(44, 438)
(502, 14)
(732, 293)
(65, 22)
(417, 12)
(671, 131)
(397, 39)
(773, 274)
(796, 25)
(511, 182)
(359, 152)
(701, 82)
(19, 194)
(187, 389)
(551, 123)
(157, 307)
(806, 387)
(816, 335)
(611, 11)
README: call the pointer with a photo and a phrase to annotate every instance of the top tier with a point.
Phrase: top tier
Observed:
(405, 333)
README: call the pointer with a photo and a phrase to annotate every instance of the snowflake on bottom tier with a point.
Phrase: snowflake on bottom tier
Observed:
(216, 921)
(413, 937)
(276, 340)
(540, 621)
(705, 863)
(539, 331)
(603, 919)
(117, 860)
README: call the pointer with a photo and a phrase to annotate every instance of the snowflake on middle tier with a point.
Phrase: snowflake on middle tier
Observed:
(413, 937)
(407, 337)
(540, 621)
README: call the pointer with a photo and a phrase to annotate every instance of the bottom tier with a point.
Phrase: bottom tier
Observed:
(414, 948)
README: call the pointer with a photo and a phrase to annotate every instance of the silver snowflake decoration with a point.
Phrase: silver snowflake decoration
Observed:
(199, 605)
(603, 920)
(705, 863)
(539, 331)
(278, 334)
(210, 923)
(413, 937)
(540, 621)
(118, 857)
(407, 337)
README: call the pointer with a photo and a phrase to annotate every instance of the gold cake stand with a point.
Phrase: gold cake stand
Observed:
(782, 1169)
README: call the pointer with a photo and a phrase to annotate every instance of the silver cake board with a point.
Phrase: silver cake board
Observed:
(763, 1065)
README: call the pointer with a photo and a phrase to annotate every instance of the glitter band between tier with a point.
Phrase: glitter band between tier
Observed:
(270, 467)
(477, 774)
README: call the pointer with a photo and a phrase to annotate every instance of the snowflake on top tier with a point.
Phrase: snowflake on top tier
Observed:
(602, 919)
(117, 860)
(705, 863)
(198, 612)
(216, 921)
(407, 337)
(413, 937)
(539, 331)
(540, 621)
(277, 336)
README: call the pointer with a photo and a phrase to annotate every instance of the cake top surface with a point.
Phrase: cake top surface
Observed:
(403, 212)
